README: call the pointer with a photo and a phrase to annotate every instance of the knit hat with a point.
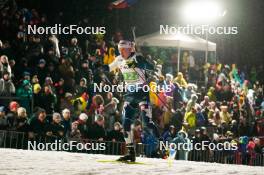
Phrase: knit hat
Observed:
(36, 88)
(25, 83)
(2, 109)
(67, 94)
(169, 76)
(26, 73)
(48, 80)
(20, 111)
(142, 103)
(84, 80)
(13, 105)
(194, 97)
(83, 117)
(42, 61)
(65, 111)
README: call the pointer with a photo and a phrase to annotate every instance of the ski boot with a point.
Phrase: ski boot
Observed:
(130, 156)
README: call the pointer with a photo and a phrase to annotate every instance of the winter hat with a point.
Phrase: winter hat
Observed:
(197, 131)
(13, 105)
(25, 83)
(251, 145)
(233, 122)
(56, 115)
(169, 76)
(227, 66)
(2, 109)
(215, 136)
(202, 129)
(194, 97)
(48, 80)
(36, 88)
(243, 139)
(42, 61)
(258, 113)
(26, 73)
(65, 111)
(83, 117)
(21, 111)
(67, 94)
(84, 80)
(142, 103)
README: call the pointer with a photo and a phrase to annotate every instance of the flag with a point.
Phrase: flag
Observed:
(121, 4)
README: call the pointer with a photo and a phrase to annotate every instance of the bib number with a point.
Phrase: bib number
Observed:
(130, 76)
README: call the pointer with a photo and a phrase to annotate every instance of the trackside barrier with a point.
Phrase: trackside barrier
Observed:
(21, 140)
(227, 157)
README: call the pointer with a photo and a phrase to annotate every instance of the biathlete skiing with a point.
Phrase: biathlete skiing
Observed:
(133, 68)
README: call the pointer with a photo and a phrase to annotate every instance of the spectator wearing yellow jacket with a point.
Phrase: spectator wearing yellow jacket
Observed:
(153, 93)
(190, 118)
(211, 94)
(80, 104)
(109, 56)
(180, 80)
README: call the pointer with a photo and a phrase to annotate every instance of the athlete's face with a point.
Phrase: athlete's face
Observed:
(125, 52)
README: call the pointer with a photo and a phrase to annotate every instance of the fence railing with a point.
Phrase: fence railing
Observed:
(227, 157)
(20, 140)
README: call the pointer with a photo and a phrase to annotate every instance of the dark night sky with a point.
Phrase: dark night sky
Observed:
(248, 15)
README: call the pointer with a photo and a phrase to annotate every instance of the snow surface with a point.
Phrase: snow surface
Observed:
(21, 162)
